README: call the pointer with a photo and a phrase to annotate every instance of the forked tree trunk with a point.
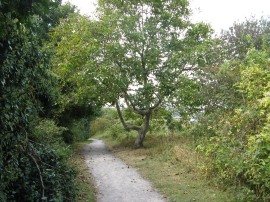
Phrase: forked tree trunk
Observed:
(142, 132)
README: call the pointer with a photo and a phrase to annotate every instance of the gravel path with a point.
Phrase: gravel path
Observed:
(115, 180)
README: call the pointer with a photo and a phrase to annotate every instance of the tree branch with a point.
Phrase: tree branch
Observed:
(126, 126)
(156, 104)
(132, 106)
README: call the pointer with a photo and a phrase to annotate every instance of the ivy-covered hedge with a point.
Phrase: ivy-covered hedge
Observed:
(31, 169)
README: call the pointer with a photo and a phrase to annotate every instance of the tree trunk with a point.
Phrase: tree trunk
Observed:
(142, 132)
(139, 141)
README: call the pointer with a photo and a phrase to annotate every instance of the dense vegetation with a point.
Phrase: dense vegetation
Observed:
(147, 59)
(236, 117)
(33, 154)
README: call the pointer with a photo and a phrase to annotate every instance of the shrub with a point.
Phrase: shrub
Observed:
(239, 144)
(48, 132)
(99, 125)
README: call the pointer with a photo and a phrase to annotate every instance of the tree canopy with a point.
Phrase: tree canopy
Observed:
(143, 53)
(149, 50)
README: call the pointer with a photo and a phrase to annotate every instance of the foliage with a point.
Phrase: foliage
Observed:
(55, 12)
(238, 149)
(30, 169)
(80, 128)
(108, 125)
(73, 47)
(245, 35)
(71, 44)
(48, 132)
(100, 125)
(145, 44)
(162, 121)
(150, 49)
(141, 56)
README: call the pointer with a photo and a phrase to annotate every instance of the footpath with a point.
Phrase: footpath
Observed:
(116, 181)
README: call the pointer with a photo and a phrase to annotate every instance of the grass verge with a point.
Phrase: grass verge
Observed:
(86, 188)
(172, 165)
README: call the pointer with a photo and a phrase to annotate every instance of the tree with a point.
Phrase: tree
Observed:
(51, 17)
(150, 50)
(30, 170)
(73, 47)
(231, 49)
(245, 35)
(236, 116)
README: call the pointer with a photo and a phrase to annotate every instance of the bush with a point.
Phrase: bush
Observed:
(80, 129)
(239, 144)
(38, 167)
(46, 175)
(46, 131)
(100, 125)
(109, 126)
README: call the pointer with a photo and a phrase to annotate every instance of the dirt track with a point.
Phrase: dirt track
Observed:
(115, 180)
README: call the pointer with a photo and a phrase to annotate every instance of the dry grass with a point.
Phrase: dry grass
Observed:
(172, 164)
(86, 189)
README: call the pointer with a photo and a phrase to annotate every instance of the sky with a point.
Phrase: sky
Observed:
(219, 13)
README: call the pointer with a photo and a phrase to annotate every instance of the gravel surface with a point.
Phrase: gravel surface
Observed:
(115, 180)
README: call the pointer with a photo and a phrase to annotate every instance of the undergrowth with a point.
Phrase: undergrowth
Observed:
(169, 159)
